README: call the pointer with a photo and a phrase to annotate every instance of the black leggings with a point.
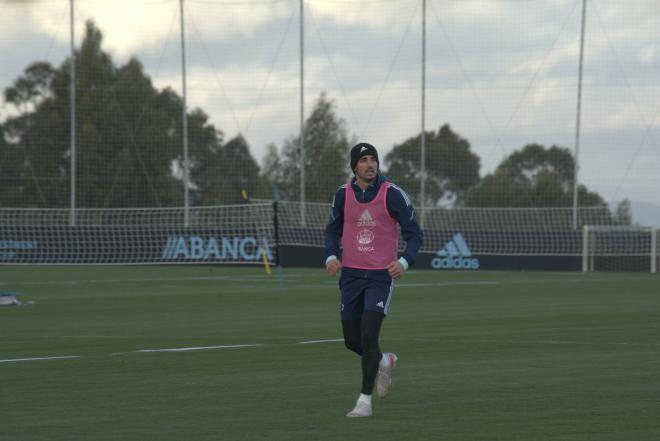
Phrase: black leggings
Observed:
(361, 337)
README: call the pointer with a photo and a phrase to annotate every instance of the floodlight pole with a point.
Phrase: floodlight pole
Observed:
(72, 91)
(302, 113)
(423, 139)
(577, 121)
(184, 119)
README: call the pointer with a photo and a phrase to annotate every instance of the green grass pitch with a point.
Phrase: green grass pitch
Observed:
(483, 356)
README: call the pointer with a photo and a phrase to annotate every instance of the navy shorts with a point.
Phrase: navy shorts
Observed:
(359, 294)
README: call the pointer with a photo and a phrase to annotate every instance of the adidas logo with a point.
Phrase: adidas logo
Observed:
(366, 220)
(456, 247)
(455, 255)
(380, 304)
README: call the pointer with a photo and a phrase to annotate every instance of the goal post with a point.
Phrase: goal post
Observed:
(620, 248)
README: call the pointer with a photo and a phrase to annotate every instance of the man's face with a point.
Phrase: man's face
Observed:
(366, 168)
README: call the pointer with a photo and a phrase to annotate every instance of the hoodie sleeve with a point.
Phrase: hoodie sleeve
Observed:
(400, 208)
(335, 225)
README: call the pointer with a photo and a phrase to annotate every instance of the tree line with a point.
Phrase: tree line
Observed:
(129, 150)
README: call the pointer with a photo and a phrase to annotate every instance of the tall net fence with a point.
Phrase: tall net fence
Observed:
(499, 81)
(531, 116)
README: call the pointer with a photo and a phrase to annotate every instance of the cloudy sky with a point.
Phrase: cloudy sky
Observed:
(502, 73)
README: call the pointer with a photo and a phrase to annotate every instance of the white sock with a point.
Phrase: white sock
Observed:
(385, 361)
(365, 399)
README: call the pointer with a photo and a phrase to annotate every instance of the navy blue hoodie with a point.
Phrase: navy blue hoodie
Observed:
(399, 207)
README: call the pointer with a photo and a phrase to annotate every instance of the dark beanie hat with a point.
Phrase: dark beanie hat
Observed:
(360, 150)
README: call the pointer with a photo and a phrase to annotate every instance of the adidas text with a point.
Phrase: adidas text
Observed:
(454, 263)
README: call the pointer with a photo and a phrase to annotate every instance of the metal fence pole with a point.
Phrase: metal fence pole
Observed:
(72, 87)
(302, 112)
(423, 147)
(184, 120)
(577, 122)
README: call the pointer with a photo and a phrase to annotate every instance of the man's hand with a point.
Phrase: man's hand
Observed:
(332, 267)
(395, 269)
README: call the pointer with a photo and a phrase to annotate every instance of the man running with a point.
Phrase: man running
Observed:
(365, 213)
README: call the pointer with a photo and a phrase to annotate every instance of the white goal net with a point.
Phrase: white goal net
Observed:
(256, 231)
(492, 231)
(223, 234)
(620, 248)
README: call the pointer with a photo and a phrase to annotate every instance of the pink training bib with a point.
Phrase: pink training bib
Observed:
(370, 237)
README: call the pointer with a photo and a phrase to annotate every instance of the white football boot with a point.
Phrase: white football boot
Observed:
(384, 377)
(361, 409)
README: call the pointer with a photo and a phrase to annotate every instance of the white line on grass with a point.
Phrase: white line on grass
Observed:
(197, 348)
(467, 283)
(333, 285)
(311, 342)
(559, 342)
(65, 357)
(529, 342)
(263, 277)
(259, 277)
